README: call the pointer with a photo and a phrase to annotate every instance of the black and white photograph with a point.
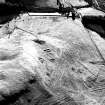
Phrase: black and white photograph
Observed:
(52, 52)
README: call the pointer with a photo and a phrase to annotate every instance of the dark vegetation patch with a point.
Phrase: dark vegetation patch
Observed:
(8, 12)
(41, 42)
(95, 23)
(10, 99)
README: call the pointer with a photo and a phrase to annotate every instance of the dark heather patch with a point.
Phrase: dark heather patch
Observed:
(39, 41)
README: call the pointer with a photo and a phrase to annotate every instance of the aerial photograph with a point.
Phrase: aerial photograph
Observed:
(52, 52)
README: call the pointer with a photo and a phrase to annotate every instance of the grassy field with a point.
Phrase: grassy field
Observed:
(50, 60)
